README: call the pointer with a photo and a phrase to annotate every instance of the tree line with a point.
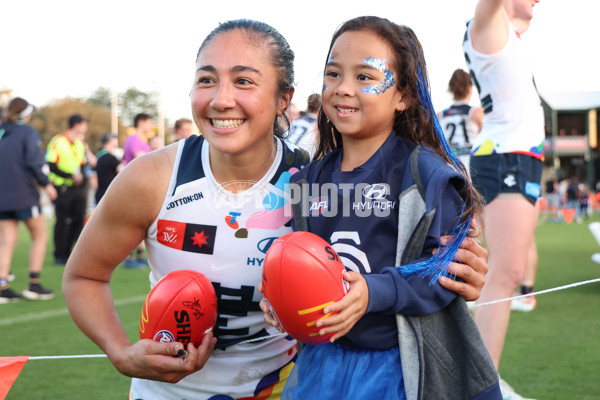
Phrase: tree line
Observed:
(52, 119)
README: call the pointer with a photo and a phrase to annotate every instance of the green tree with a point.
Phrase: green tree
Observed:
(134, 101)
(52, 119)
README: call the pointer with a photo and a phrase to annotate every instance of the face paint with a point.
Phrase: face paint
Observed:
(388, 81)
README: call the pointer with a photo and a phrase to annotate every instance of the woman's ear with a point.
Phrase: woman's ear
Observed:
(286, 100)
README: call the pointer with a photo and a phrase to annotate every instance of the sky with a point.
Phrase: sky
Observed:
(60, 48)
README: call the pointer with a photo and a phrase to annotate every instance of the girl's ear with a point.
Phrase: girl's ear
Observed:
(285, 101)
(402, 101)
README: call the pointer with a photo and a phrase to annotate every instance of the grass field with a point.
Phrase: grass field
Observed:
(550, 353)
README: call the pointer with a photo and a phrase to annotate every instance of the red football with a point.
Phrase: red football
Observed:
(181, 307)
(302, 275)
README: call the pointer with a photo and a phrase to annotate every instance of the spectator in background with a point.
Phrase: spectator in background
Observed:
(303, 131)
(108, 165)
(182, 129)
(461, 122)
(573, 195)
(137, 144)
(155, 142)
(552, 197)
(584, 194)
(66, 157)
(21, 175)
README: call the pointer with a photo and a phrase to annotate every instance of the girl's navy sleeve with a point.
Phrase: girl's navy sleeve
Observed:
(390, 292)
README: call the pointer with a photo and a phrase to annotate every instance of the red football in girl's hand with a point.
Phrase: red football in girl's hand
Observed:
(302, 275)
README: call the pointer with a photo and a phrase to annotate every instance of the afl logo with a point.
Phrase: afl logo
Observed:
(376, 191)
(164, 337)
(265, 244)
(317, 206)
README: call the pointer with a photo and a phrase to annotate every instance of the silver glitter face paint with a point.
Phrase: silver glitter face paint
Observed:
(388, 81)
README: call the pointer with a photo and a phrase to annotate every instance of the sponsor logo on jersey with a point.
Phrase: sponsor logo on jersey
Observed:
(231, 220)
(377, 191)
(510, 180)
(374, 197)
(164, 336)
(317, 206)
(183, 236)
(185, 200)
(264, 245)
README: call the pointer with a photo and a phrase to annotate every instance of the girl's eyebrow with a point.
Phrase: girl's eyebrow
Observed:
(235, 68)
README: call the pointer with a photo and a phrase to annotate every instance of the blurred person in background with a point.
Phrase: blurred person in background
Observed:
(22, 173)
(108, 165)
(182, 129)
(67, 157)
(461, 122)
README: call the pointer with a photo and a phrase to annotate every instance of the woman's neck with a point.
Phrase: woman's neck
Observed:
(238, 172)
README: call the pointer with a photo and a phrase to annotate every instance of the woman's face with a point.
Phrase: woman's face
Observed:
(235, 98)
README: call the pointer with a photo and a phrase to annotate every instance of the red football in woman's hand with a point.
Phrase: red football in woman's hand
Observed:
(181, 307)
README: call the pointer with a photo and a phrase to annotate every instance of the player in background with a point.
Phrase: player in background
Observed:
(211, 203)
(461, 122)
(506, 159)
(379, 136)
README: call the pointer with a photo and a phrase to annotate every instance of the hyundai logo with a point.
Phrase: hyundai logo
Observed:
(376, 191)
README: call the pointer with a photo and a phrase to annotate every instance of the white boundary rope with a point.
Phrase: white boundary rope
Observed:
(536, 293)
(571, 285)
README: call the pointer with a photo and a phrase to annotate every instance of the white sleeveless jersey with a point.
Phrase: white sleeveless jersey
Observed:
(459, 128)
(514, 118)
(204, 227)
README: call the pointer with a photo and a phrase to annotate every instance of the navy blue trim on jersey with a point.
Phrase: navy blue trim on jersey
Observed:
(190, 166)
(374, 237)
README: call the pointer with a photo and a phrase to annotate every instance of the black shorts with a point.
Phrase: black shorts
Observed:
(21, 215)
(507, 173)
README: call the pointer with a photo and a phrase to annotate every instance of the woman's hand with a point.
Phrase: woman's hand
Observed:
(472, 267)
(351, 308)
(167, 362)
(268, 315)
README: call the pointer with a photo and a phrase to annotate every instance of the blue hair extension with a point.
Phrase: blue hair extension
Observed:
(437, 266)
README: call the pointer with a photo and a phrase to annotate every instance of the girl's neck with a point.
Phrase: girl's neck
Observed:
(238, 172)
(357, 151)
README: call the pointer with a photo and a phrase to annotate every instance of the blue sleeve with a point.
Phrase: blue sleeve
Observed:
(33, 157)
(390, 292)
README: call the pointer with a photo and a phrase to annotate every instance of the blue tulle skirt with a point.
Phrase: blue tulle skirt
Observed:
(335, 372)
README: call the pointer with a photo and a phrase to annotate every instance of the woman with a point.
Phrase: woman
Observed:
(234, 178)
(21, 171)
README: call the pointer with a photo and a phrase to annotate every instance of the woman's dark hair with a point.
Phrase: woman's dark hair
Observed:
(15, 108)
(282, 56)
(460, 83)
(418, 122)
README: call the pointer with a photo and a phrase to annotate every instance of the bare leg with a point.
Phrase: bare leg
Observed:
(9, 234)
(509, 224)
(39, 236)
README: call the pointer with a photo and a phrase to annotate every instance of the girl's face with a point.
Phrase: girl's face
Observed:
(359, 89)
(235, 98)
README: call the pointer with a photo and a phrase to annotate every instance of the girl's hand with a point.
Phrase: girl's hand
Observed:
(351, 308)
(472, 267)
(166, 362)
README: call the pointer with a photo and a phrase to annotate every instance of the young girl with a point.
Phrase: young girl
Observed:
(397, 189)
